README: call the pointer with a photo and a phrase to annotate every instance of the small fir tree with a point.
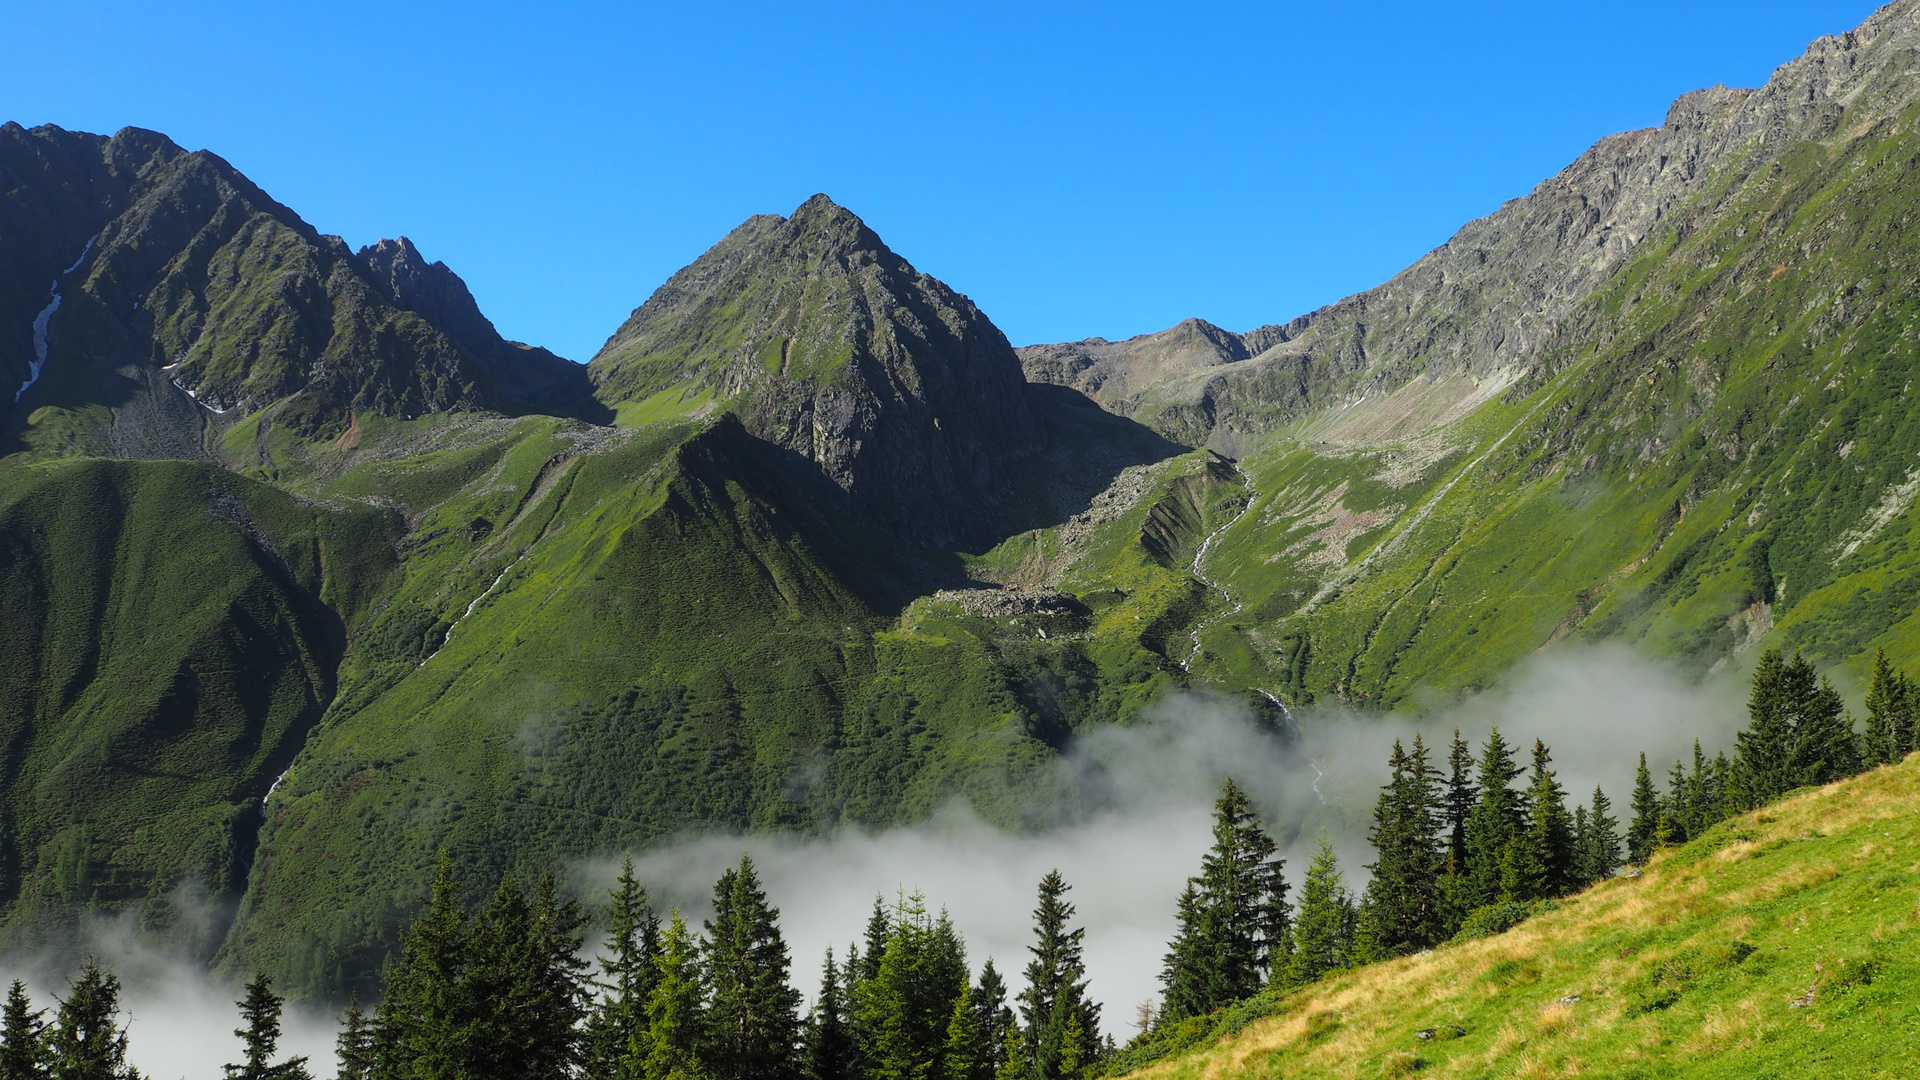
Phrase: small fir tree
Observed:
(1641, 842)
(627, 974)
(1323, 926)
(1060, 1023)
(670, 1050)
(354, 1047)
(1232, 917)
(997, 1023)
(1602, 850)
(88, 1040)
(23, 1049)
(1404, 899)
(1549, 833)
(1764, 748)
(260, 1035)
(829, 1049)
(1498, 816)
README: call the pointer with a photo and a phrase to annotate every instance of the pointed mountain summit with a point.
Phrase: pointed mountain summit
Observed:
(871, 375)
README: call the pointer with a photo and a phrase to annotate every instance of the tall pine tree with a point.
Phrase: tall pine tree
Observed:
(260, 1035)
(1403, 901)
(671, 1048)
(627, 975)
(354, 1047)
(1060, 1023)
(23, 1048)
(1497, 818)
(753, 1019)
(829, 1049)
(1600, 849)
(1763, 760)
(1233, 916)
(88, 1041)
(907, 1008)
(1549, 833)
(424, 1022)
(1647, 812)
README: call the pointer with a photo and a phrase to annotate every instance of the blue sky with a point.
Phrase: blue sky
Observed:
(1076, 169)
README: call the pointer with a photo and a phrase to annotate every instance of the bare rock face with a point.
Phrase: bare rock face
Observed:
(1493, 298)
(872, 376)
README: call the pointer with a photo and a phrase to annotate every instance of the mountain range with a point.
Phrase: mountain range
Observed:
(307, 574)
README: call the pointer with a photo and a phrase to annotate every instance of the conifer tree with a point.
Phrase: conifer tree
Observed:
(1675, 805)
(996, 1024)
(753, 1020)
(1060, 1023)
(354, 1047)
(627, 975)
(1461, 796)
(866, 965)
(1641, 842)
(1764, 748)
(1582, 846)
(829, 1050)
(961, 1059)
(524, 984)
(1233, 916)
(424, 1022)
(1497, 817)
(670, 1050)
(87, 1041)
(23, 1049)
(1600, 855)
(1825, 748)
(1323, 926)
(1403, 900)
(906, 1009)
(1549, 833)
(260, 1034)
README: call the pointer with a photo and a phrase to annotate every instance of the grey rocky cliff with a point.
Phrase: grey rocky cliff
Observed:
(1488, 303)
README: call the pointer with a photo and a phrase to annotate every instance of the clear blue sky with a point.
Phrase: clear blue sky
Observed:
(1077, 169)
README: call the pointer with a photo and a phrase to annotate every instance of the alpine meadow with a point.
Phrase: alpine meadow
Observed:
(362, 663)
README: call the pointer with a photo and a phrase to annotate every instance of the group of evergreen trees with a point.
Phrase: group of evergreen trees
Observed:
(87, 1038)
(505, 994)
(1467, 850)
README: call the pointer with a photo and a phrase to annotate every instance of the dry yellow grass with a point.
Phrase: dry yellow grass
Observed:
(1806, 878)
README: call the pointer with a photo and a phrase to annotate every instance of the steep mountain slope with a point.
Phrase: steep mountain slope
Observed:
(1710, 447)
(1782, 943)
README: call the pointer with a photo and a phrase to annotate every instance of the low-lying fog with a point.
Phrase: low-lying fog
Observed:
(1596, 708)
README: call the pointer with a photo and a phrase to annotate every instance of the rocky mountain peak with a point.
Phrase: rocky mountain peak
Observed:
(889, 385)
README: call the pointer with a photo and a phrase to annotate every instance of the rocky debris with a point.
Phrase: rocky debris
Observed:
(1570, 999)
(1007, 601)
(1443, 1032)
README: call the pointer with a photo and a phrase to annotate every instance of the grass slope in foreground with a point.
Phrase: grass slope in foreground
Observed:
(1687, 970)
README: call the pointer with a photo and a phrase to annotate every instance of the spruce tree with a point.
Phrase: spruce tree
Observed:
(671, 1048)
(960, 1059)
(1232, 917)
(627, 975)
(1583, 874)
(260, 1014)
(23, 1048)
(424, 1022)
(1646, 816)
(87, 1041)
(1549, 832)
(1825, 748)
(1497, 817)
(753, 1019)
(1763, 753)
(906, 1009)
(1323, 926)
(1461, 796)
(354, 1047)
(1675, 805)
(866, 965)
(1403, 901)
(997, 1024)
(829, 1049)
(1880, 743)
(1602, 851)
(1060, 1023)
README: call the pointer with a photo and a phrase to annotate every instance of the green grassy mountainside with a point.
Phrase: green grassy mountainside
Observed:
(1781, 943)
(309, 575)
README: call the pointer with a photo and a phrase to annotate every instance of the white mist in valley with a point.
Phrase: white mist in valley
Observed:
(1597, 708)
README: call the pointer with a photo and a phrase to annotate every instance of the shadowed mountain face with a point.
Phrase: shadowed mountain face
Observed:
(890, 386)
(160, 296)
